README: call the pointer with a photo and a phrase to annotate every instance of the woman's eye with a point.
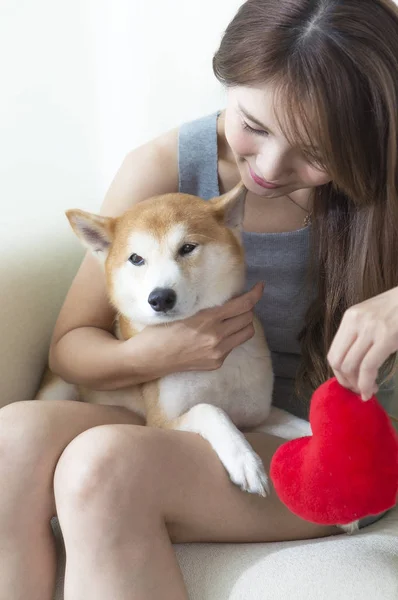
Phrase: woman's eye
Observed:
(136, 260)
(187, 249)
(252, 130)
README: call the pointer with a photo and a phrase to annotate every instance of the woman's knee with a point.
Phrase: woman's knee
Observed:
(107, 465)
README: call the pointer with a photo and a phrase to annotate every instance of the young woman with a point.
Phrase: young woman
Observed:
(311, 127)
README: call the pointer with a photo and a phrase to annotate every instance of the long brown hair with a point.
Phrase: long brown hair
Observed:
(335, 67)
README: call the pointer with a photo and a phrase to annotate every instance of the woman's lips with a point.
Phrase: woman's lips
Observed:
(262, 182)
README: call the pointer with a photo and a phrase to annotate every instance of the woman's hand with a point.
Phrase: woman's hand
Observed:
(367, 336)
(201, 342)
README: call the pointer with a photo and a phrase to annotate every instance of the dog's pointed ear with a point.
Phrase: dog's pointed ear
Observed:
(230, 207)
(94, 231)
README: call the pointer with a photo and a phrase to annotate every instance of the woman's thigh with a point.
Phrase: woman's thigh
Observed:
(214, 509)
(180, 474)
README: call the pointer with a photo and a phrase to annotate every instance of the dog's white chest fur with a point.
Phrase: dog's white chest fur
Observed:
(242, 387)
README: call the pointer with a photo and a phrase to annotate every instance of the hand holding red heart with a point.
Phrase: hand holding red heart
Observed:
(367, 336)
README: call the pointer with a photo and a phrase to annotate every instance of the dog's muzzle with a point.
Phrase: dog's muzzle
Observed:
(162, 299)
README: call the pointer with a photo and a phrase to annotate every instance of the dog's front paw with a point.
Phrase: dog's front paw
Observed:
(245, 468)
(236, 454)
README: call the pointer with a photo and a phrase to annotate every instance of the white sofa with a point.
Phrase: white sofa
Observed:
(359, 567)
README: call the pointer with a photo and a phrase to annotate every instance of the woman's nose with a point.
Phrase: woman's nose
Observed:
(274, 165)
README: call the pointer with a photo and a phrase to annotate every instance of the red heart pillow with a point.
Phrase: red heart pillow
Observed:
(348, 468)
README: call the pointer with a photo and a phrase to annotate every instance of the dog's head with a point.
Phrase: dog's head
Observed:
(169, 256)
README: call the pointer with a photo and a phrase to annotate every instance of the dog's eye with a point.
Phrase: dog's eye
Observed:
(136, 260)
(187, 249)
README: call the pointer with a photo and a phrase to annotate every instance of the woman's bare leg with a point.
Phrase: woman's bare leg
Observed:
(33, 435)
(122, 492)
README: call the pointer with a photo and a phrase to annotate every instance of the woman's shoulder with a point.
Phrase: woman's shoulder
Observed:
(146, 171)
(154, 168)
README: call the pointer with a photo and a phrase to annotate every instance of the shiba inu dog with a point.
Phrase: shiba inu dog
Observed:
(164, 260)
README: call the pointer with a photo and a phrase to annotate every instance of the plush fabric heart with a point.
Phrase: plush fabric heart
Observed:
(348, 468)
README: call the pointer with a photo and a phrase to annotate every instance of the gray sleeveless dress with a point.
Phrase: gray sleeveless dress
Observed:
(279, 259)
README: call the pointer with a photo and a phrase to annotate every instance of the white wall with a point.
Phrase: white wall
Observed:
(82, 83)
(153, 67)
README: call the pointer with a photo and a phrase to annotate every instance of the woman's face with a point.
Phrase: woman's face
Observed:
(269, 166)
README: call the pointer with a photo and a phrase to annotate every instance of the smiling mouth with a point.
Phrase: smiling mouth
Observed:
(262, 182)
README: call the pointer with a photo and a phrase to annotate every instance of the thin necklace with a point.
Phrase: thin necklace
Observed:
(308, 216)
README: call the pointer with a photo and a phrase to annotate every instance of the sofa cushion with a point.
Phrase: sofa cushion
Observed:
(363, 566)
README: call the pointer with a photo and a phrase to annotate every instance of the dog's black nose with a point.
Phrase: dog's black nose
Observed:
(162, 299)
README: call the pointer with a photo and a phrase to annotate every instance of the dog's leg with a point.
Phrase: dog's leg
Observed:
(283, 424)
(52, 387)
(243, 465)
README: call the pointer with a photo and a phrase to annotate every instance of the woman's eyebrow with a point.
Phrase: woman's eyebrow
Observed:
(256, 121)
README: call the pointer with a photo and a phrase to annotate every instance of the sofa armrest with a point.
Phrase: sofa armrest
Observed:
(37, 267)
